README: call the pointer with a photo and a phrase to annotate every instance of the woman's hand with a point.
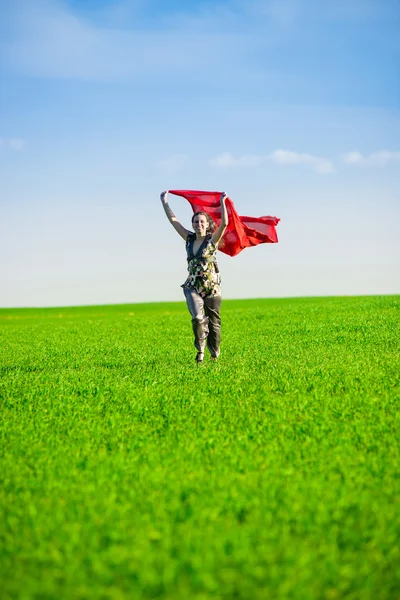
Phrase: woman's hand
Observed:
(164, 196)
(217, 235)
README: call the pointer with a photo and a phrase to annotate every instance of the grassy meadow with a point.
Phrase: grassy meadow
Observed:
(127, 471)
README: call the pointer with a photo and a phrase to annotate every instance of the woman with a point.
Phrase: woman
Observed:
(202, 288)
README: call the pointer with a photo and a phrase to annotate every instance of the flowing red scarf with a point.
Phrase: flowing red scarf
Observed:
(242, 232)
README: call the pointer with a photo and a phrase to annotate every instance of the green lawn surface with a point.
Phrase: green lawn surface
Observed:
(128, 471)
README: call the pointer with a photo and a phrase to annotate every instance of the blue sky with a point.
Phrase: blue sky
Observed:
(290, 106)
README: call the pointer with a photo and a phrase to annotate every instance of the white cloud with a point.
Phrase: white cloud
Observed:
(280, 157)
(16, 144)
(173, 163)
(12, 143)
(287, 157)
(233, 42)
(126, 38)
(375, 159)
(47, 39)
(228, 160)
(282, 13)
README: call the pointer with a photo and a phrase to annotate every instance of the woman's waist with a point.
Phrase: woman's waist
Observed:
(204, 274)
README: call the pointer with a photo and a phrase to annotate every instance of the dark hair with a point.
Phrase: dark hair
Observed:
(211, 226)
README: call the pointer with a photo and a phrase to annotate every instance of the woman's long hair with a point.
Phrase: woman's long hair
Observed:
(211, 226)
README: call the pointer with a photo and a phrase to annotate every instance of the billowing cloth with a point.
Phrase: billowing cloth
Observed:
(242, 232)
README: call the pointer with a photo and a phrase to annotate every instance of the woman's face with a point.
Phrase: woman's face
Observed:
(200, 224)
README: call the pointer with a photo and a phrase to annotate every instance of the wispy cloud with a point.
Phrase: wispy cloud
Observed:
(375, 159)
(287, 157)
(281, 157)
(48, 39)
(226, 159)
(243, 46)
(173, 163)
(281, 12)
(125, 38)
(12, 143)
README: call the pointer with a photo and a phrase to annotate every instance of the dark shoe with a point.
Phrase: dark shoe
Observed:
(199, 357)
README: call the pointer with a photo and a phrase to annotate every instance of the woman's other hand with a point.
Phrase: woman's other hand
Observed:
(164, 196)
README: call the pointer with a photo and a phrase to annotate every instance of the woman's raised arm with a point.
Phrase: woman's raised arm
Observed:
(217, 235)
(172, 218)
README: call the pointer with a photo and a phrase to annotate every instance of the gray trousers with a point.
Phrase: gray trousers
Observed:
(206, 321)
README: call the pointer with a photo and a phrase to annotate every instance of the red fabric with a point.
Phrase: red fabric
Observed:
(242, 232)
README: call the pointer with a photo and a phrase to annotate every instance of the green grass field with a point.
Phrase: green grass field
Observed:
(130, 472)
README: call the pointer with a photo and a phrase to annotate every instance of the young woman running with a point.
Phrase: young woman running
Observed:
(202, 288)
